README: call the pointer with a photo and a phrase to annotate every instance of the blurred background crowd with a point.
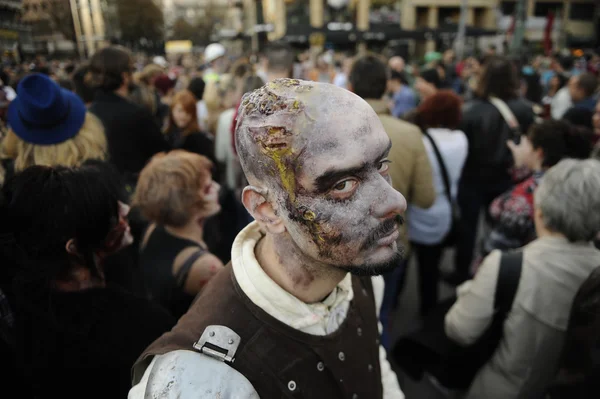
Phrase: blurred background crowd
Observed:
(123, 158)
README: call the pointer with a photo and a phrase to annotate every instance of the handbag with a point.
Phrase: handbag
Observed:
(430, 350)
(452, 235)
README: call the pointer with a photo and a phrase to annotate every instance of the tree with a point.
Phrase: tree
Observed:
(59, 18)
(183, 30)
(140, 19)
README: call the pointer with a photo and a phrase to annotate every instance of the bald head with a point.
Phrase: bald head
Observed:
(396, 64)
(288, 121)
(315, 157)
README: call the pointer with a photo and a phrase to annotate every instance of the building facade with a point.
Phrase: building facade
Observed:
(51, 26)
(193, 12)
(435, 22)
(574, 21)
(436, 14)
(96, 22)
(15, 35)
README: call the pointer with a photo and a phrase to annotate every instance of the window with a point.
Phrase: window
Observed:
(543, 8)
(297, 13)
(582, 12)
(384, 14)
(508, 7)
(448, 16)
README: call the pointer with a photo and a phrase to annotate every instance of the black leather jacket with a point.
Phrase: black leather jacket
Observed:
(489, 159)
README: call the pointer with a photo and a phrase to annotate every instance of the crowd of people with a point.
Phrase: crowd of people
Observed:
(241, 226)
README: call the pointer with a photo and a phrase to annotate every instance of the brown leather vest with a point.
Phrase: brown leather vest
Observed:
(280, 361)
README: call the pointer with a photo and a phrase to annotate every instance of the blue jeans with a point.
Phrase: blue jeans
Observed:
(394, 281)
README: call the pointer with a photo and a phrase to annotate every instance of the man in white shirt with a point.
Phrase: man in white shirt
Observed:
(295, 314)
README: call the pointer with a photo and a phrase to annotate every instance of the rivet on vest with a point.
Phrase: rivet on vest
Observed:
(292, 386)
(230, 341)
(212, 333)
(370, 367)
(341, 356)
(355, 396)
(359, 332)
(320, 366)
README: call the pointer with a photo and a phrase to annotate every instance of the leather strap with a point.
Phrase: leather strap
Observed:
(508, 115)
(509, 276)
(184, 270)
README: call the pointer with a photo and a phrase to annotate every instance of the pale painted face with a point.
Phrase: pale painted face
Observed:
(331, 185)
(181, 118)
(210, 198)
(346, 211)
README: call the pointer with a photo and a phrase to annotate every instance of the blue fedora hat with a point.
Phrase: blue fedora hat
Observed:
(43, 113)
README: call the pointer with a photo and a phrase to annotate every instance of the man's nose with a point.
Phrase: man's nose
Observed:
(389, 204)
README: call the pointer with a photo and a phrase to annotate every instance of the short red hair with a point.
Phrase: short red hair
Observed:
(188, 102)
(443, 109)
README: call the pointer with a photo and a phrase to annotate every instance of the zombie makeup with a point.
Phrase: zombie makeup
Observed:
(321, 152)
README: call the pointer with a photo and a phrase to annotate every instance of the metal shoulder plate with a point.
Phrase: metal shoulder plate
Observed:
(218, 342)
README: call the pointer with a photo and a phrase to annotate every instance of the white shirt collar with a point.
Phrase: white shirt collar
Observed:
(321, 318)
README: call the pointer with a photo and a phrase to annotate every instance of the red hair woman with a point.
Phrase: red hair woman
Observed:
(438, 116)
(183, 131)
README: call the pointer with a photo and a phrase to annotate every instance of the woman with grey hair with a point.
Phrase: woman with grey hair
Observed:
(567, 218)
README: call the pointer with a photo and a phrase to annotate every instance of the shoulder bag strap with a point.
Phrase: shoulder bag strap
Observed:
(507, 114)
(509, 276)
(184, 270)
(443, 169)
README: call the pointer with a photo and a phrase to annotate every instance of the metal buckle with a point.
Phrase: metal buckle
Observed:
(218, 342)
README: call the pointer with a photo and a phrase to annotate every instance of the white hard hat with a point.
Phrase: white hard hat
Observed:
(160, 61)
(213, 51)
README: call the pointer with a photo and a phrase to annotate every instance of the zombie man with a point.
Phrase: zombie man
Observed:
(295, 313)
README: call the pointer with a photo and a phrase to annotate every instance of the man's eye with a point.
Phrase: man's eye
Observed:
(345, 186)
(384, 166)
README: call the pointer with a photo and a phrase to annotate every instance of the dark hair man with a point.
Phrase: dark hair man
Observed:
(131, 131)
(486, 173)
(294, 314)
(582, 89)
(410, 169)
(280, 61)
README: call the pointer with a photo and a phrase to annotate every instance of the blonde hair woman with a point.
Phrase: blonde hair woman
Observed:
(50, 126)
(177, 194)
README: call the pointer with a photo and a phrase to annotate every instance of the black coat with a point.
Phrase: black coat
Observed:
(489, 159)
(198, 143)
(131, 131)
(83, 344)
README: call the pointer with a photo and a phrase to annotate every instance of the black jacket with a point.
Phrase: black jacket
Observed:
(83, 344)
(131, 131)
(489, 159)
(198, 143)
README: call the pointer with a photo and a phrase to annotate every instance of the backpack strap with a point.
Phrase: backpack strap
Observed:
(184, 270)
(509, 276)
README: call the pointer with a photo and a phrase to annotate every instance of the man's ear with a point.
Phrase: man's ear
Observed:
(256, 203)
(71, 247)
